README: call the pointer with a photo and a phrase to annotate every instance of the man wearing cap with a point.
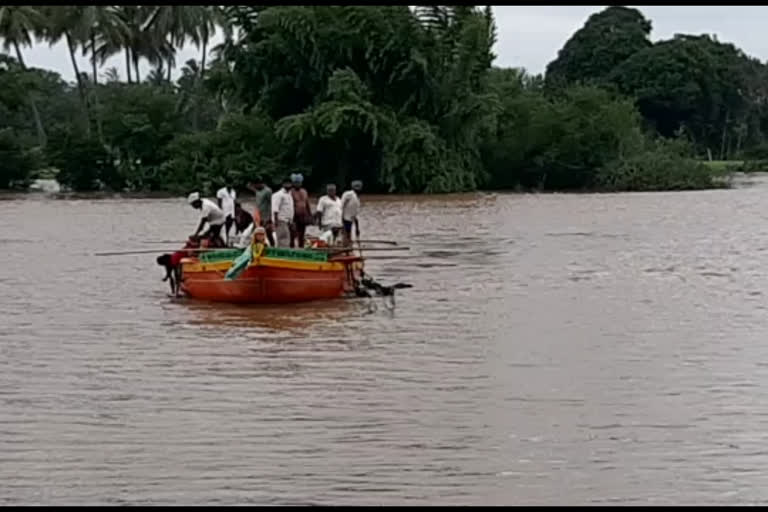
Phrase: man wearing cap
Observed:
(350, 208)
(211, 214)
(302, 211)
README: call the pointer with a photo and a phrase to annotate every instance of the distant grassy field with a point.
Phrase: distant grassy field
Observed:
(723, 165)
(46, 174)
(745, 166)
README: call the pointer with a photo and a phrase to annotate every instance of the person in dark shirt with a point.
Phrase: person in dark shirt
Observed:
(243, 219)
(264, 206)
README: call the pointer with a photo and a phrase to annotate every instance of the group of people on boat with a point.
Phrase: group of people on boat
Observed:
(280, 219)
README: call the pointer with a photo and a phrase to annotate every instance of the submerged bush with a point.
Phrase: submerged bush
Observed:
(663, 165)
(16, 163)
(83, 163)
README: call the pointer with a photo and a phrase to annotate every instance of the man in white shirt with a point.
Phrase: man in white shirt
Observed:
(282, 211)
(328, 213)
(350, 208)
(209, 213)
(226, 197)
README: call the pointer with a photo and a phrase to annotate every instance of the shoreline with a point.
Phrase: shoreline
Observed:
(734, 180)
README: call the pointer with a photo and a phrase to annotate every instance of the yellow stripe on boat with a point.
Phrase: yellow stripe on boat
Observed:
(223, 266)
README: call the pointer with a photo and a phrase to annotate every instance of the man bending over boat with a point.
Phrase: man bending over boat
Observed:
(210, 214)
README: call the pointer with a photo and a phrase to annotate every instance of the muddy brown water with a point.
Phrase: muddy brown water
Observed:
(555, 349)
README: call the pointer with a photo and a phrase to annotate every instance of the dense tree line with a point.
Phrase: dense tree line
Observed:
(406, 99)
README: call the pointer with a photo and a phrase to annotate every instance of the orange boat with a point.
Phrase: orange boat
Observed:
(273, 276)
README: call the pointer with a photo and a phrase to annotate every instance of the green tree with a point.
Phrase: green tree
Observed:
(64, 22)
(241, 148)
(607, 39)
(17, 27)
(16, 162)
(692, 85)
(84, 164)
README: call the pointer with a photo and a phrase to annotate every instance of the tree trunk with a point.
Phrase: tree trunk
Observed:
(202, 58)
(199, 83)
(80, 88)
(170, 59)
(96, 87)
(42, 139)
(128, 64)
(725, 131)
(136, 68)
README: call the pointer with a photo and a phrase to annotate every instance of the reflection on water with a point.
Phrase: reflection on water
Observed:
(295, 318)
(554, 349)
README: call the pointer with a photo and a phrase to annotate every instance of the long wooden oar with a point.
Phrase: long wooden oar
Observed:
(346, 249)
(155, 251)
(333, 250)
(310, 237)
(384, 242)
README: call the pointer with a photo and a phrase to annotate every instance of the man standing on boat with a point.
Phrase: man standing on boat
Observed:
(226, 196)
(263, 207)
(211, 214)
(329, 212)
(350, 208)
(282, 212)
(302, 215)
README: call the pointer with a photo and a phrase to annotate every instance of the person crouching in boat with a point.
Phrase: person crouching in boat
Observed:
(260, 241)
(244, 228)
(324, 240)
(210, 214)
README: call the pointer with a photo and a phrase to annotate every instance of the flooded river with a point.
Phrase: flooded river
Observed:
(555, 349)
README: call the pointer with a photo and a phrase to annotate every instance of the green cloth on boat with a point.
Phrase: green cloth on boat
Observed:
(239, 265)
(295, 254)
(224, 254)
(242, 258)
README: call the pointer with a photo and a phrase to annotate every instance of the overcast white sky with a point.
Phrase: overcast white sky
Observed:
(528, 36)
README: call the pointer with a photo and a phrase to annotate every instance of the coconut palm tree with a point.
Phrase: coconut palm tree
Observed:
(60, 22)
(134, 17)
(135, 37)
(17, 26)
(111, 75)
(99, 22)
(176, 24)
(214, 18)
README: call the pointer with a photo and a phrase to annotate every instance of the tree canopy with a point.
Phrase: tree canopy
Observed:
(406, 99)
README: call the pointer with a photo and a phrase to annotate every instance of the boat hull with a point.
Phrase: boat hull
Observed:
(267, 281)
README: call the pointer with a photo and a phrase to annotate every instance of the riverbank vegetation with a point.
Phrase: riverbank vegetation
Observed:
(406, 99)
